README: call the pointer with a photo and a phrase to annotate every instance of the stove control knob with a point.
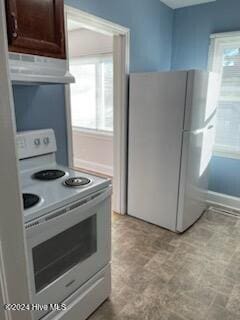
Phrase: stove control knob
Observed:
(46, 140)
(37, 142)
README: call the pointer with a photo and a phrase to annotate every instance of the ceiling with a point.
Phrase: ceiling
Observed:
(175, 4)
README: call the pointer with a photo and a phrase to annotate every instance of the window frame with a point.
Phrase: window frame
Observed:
(218, 43)
(86, 60)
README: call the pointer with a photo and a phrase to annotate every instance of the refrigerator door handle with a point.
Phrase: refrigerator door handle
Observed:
(198, 131)
(211, 127)
(195, 132)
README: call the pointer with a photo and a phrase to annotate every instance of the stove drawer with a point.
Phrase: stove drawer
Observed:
(84, 301)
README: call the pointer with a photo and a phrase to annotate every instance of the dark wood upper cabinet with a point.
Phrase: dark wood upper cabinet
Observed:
(36, 27)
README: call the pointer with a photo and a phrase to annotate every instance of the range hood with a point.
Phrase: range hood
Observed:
(36, 70)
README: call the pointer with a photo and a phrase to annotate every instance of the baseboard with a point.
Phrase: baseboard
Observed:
(222, 200)
(93, 166)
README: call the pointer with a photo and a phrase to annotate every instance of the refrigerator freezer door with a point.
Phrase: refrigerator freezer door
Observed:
(201, 99)
(196, 157)
(157, 103)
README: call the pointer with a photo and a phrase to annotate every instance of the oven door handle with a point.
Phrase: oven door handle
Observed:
(86, 203)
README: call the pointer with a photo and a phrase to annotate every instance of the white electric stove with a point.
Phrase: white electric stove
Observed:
(67, 217)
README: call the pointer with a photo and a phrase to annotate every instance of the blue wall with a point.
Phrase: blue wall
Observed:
(192, 28)
(150, 22)
(225, 176)
(41, 107)
(151, 42)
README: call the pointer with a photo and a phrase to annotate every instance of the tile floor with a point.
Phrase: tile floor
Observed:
(159, 275)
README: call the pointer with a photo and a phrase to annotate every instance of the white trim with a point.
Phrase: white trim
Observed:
(67, 101)
(225, 35)
(177, 4)
(223, 201)
(106, 135)
(219, 41)
(121, 45)
(213, 65)
(95, 23)
(121, 71)
(218, 152)
(93, 166)
(69, 127)
(13, 243)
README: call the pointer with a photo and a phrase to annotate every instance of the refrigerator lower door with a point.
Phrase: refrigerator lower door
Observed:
(196, 156)
(156, 115)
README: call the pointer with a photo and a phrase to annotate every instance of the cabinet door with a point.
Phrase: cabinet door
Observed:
(36, 27)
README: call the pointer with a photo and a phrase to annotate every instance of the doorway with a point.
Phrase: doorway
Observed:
(98, 53)
(91, 63)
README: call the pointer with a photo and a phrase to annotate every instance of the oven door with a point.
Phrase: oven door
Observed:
(68, 246)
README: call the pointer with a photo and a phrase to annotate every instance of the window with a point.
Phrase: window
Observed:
(225, 59)
(92, 94)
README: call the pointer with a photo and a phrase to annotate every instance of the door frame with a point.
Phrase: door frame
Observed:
(121, 62)
(14, 286)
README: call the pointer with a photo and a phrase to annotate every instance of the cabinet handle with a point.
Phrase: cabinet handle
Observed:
(14, 25)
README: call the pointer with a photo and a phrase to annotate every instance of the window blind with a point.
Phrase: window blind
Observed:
(228, 113)
(92, 94)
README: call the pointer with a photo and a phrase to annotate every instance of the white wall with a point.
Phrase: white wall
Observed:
(86, 42)
(91, 151)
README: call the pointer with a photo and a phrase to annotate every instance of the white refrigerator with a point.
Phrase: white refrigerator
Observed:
(171, 136)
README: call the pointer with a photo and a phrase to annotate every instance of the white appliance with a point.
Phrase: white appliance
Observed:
(171, 136)
(67, 218)
(31, 69)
